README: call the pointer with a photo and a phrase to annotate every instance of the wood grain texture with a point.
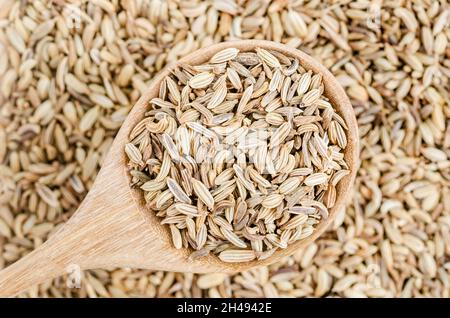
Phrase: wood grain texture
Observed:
(112, 227)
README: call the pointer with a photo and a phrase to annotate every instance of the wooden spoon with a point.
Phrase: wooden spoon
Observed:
(112, 227)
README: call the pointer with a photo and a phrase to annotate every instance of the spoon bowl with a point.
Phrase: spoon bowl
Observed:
(113, 228)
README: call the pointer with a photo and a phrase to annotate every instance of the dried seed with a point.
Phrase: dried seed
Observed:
(268, 58)
(201, 80)
(316, 179)
(224, 55)
(202, 193)
(237, 256)
(177, 191)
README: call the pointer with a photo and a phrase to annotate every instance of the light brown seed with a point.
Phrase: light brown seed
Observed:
(177, 191)
(201, 80)
(237, 256)
(186, 209)
(203, 193)
(268, 58)
(224, 55)
(316, 179)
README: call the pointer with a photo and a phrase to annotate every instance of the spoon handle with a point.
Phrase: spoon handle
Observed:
(105, 231)
(64, 252)
(35, 268)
